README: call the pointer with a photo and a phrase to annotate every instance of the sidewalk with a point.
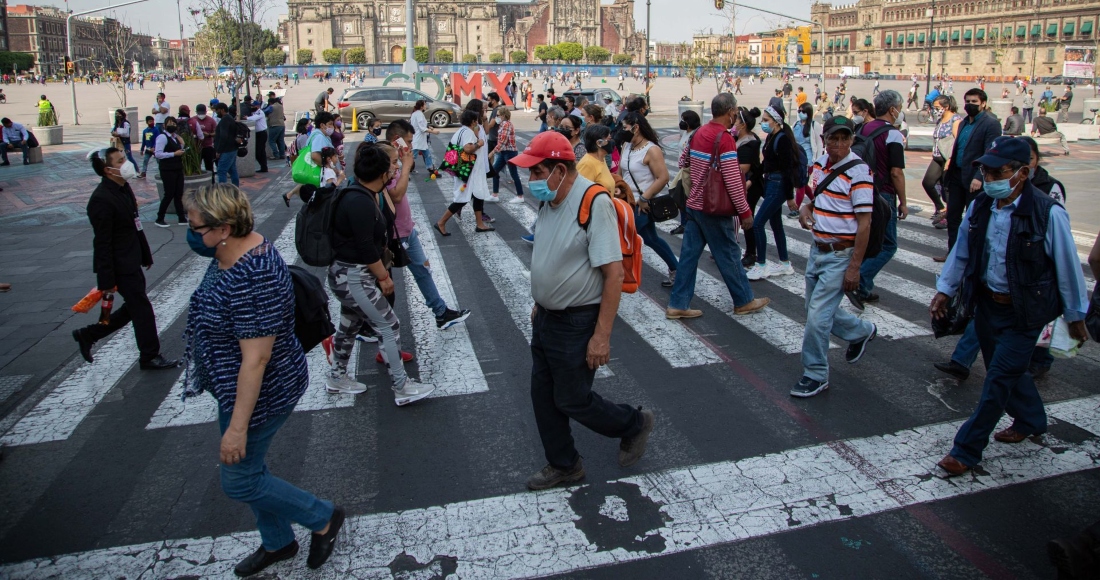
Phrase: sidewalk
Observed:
(47, 258)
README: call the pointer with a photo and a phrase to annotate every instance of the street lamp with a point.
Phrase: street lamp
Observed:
(410, 65)
(69, 41)
(647, 3)
(931, 13)
(183, 50)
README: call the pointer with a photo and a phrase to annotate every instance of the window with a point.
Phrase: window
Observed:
(888, 59)
(309, 31)
(309, 42)
(1050, 55)
(1019, 56)
(920, 58)
(901, 58)
(966, 56)
(992, 56)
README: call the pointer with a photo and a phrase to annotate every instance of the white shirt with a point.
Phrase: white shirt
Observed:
(158, 117)
(15, 133)
(420, 138)
(260, 119)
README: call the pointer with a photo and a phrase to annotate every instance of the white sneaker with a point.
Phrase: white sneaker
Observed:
(492, 199)
(516, 199)
(372, 338)
(757, 272)
(412, 392)
(342, 383)
(779, 269)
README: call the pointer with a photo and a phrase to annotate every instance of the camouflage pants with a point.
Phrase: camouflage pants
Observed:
(363, 303)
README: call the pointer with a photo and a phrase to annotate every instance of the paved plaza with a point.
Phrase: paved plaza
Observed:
(107, 474)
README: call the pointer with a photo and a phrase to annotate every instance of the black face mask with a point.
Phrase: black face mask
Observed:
(170, 128)
(624, 136)
(972, 110)
(377, 131)
(683, 125)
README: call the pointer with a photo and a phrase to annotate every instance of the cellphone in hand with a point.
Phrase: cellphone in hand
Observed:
(401, 144)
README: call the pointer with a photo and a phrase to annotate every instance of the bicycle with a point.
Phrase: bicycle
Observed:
(925, 114)
(1094, 119)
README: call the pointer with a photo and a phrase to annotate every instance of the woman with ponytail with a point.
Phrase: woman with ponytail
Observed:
(781, 160)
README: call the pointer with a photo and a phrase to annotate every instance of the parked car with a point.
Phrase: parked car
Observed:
(873, 76)
(594, 96)
(392, 103)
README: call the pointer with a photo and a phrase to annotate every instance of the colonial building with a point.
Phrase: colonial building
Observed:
(963, 38)
(462, 27)
(40, 31)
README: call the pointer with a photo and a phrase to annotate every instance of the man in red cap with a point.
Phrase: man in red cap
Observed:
(576, 281)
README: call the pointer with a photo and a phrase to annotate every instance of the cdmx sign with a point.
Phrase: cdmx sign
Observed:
(460, 85)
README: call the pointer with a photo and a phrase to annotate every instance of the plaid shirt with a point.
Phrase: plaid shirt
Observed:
(506, 137)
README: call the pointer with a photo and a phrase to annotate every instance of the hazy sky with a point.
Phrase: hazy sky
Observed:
(673, 20)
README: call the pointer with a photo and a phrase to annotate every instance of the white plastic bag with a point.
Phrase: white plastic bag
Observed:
(1062, 345)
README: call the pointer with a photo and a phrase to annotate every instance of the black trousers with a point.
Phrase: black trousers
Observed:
(208, 157)
(958, 197)
(173, 193)
(750, 233)
(137, 310)
(932, 175)
(261, 149)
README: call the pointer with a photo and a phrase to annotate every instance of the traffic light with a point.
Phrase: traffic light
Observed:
(719, 4)
(70, 68)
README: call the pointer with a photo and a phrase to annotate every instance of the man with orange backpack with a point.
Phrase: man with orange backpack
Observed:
(579, 270)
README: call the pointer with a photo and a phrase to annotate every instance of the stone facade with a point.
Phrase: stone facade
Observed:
(477, 27)
(40, 31)
(969, 38)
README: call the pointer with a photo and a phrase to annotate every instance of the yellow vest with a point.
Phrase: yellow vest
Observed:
(44, 106)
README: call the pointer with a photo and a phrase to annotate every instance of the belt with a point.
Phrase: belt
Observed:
(571, 309)
(834, 247)
(997, 296)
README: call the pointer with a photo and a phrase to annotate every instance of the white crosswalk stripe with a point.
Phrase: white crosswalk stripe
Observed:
(539, 534)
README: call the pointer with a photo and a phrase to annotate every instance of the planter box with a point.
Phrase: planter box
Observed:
(696, 106)
(52, 135)
(189, 183)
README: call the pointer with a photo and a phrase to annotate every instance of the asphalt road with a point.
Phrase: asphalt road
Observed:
(105, 474)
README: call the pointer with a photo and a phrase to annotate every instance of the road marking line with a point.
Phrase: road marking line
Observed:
(560, 531)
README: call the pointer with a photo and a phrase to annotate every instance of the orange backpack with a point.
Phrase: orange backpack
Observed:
(629, 239)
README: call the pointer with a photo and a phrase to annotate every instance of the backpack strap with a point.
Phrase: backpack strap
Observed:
(836, 172)
(584, 213)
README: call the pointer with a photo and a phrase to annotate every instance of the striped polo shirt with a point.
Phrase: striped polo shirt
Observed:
(836, 207)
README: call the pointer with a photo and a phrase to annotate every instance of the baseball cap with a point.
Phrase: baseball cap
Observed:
(1005, 150)
(214, 102)
(838, 124)
(607, 98)
(545, 145)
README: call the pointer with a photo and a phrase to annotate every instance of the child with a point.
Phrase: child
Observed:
(332, 175)
(374, 132)
(148, 143)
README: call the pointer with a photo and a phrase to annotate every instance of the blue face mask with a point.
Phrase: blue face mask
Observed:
(802, 116)
(541, 189)
(194, 239)
(765, 126)
(1000, 189)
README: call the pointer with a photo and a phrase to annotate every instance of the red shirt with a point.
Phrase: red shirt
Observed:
(207, 125)
(697, 156)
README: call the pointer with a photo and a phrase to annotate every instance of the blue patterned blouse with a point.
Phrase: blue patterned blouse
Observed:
(254, 298)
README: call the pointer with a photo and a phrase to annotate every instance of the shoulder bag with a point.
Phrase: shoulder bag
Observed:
(661, 207)
(304, 170)
(716, 200)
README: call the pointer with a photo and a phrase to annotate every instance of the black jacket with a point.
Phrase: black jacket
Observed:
(225, 135)
(986, 129)
(117, 247)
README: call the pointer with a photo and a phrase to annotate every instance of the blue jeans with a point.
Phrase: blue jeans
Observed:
(700, 230)
(227, 168)
(871, 266)
(276, 141)
(145, 161)
(648, 230)
(427, 155)
(423, 276)
(1008, 384)
(20, 144)
(771, 211)
(499, 163)
(966, 351)
(275, 502)
(824, 291)
(561, 385)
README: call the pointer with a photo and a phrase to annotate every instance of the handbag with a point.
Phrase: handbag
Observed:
(457, 161)
(680, 187)
(716, 200)
(304, 170)
(661, 207)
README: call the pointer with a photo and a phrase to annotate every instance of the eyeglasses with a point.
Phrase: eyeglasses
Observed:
(996, 173)
(196, 229)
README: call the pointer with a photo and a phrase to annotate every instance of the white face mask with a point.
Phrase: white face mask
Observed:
(128, 171)
(202, 116)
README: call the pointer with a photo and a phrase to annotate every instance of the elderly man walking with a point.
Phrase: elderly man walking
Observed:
(576, 281)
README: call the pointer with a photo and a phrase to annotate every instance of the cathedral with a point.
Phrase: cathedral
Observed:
(477, 27)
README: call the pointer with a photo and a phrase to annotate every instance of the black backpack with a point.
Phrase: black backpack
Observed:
(800, 170)
(313, 229)
(243, 133)
(880, 215)
(312, 321)
(864, 147)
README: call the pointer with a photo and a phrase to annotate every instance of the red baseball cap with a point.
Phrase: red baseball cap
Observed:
(545, 145)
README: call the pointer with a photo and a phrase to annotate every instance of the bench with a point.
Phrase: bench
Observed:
(34, 154)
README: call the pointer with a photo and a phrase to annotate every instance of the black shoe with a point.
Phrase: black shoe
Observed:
(451, 318)
(160, 223)
(856, 349)
(261, 559)
(872, 297)
(670, 281)
(1038, 372)
(158, 363)
(807, 387)
(5, 164)
(954, 369)
(748, 261)
(631, 449)
(550, 476)
(85, 344)
(321, 545)
(264, 170)
(25, 162)
(678, 230)
(853, 297)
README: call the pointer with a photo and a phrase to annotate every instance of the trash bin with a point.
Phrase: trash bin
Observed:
(696, 106)
(1001, 108)
(246, 166)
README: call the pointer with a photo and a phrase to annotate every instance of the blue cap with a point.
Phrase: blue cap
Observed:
(214, 102)
(1005, 150)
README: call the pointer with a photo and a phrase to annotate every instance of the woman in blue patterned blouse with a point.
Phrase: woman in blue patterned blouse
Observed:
(241, 348)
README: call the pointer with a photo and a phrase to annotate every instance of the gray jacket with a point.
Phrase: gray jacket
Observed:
(1014, 125)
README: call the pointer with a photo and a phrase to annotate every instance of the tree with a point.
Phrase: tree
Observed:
(546, 53)
(122, 48)
(444, 55)
(274, 57)
(357, 55)
(690, 68)
(305, 56)
(234, 24)
(332, 55)
(468, 58)
(570, 51)
(17, 60)
(420, 54)
(496, 57)
(597, 54)
(622, 59)
(518, 56)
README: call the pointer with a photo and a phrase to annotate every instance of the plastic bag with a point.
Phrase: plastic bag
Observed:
(1062, 345)
(89, 301)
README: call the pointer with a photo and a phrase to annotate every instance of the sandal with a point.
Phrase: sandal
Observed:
(440, 230)
(485, 229)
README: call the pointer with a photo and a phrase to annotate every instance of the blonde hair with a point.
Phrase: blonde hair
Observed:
(220, 205)
(504, 113)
